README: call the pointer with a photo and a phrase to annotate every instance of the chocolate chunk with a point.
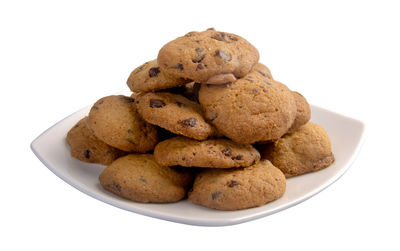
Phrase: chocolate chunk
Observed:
(178, 66)
(126, 99)
(100, 102)
(153, 72)
(179, 104)
(131, 141)
(232, 183)
(156, 103)
(199, 50)
(95, 107)
(263, 73)
(199, 67)
(190, 34)
(211, 29)
(215, 195)
(227, 151)
(190, 122)
(231, 37)
(143, 180)
(129, 131)
(222, 54)
(199, 58)
(86, 153)
(183, 158)
(116, 186)
(238, 157)
(219, 36)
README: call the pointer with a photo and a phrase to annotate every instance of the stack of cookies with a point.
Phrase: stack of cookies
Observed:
(206, 121)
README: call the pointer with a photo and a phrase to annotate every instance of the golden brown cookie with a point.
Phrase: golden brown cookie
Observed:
(254, 108)
(149, 77)
(114, 120)
(306, 150)
(138, 177)
(303, 114)
(208, 57)
(238, 188)
(86, 147)
(174, 113)
(213, 153)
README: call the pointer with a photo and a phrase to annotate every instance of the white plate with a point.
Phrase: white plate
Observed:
(346, 136)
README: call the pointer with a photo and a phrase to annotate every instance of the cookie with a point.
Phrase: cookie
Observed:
(306, 150)
(174, 113)
(263, 70)
(86, 147)
(149, 77)
(208, 57)
(114, 120)
(213, 153)
(238, 188)
(254, 108)
(139, 178)
(303, 113)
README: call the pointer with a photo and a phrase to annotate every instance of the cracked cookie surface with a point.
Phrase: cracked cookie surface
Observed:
(85, 146)
(213, 153)
(238, 188)
(149, 77)
(306, 150)
(174, 113)
(209, 56)
(254, 108)
(138, 177)
(115, 120)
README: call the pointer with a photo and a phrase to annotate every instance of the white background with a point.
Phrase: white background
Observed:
(56, 58)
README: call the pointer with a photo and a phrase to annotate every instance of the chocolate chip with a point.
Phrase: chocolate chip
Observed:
(232, 183)
(211, 29)
(129, 131)
(100, 102)
(220, 36)
(143, 180)
(86, 153)
(255, 90)
(178, 66)
(183, 158)
(153, 72)
(222, 54)
(199, 50)
(227, 151)
(131, 141)
(116, 186)
(156, 103)
(190, 122)
(215, 195)
(179, 104)
(95, 107)
(238, 157)
(199, 58)
(231, 37)
(263, 73)
(199, 67)
(263, 88)
(190, 34)
(268, 83)
(126, 99)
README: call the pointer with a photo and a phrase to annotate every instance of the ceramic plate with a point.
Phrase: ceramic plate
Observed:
(346, 136)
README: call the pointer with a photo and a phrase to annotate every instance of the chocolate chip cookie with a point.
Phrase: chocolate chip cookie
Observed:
(174, 113)
(149, 77)
(306, 150)
(210, 56)
(303, 113)
(213, 153)
(254, 108)
(238, 188)
(86, 147)
(138, 177)
(114, 120)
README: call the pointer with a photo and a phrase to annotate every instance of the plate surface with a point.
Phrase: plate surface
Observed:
(346, 136)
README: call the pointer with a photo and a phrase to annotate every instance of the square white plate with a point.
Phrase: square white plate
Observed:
(346, 136)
